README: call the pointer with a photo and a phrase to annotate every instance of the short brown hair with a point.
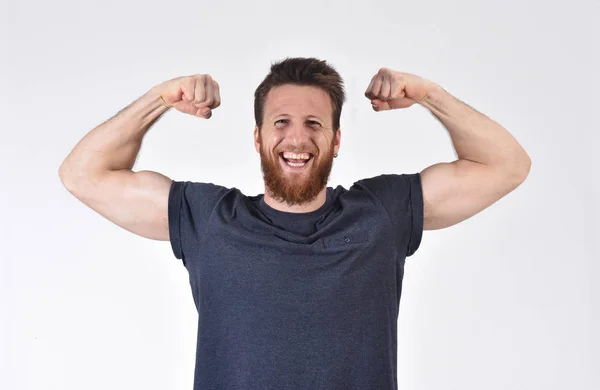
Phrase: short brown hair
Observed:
(302, 71)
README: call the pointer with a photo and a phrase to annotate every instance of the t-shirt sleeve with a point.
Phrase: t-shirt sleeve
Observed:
(402, 198)
(190, 206)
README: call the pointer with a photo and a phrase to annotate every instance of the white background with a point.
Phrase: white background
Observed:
(506, 300)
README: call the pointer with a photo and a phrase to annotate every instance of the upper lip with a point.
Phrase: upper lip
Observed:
(292, 151)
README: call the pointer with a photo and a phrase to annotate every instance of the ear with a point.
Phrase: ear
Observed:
(256, 139)
(337, 141)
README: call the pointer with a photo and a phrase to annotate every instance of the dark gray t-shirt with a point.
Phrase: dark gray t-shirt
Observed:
(297, 300)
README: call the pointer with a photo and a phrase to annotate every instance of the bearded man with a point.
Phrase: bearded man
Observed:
(299, 287)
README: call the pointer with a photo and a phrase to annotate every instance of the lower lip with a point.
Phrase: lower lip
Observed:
(293, 168)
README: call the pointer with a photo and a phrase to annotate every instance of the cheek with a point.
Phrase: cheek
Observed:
(267, 140)
(273, 142)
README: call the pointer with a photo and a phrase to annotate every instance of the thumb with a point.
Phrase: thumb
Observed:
(380, 105)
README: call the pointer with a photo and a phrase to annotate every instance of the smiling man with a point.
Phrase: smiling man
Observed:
(299, 287)
(298, 143)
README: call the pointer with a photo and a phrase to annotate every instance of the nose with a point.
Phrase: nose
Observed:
(298, 134)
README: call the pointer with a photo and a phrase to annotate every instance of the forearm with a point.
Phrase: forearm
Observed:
(114, 145)
(476, 137)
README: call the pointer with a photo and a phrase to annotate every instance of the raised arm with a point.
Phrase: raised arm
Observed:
(491, 163)
(98, 171)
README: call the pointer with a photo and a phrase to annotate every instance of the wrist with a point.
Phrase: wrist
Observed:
(445, 106)
(433, 93)
(156, 96)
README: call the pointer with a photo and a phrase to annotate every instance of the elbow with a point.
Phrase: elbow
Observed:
(67, 177)
(514, 172)
(520, 170)
(62, 174)
(524, 167)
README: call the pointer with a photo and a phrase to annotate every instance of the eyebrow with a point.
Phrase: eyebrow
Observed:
(306, 117)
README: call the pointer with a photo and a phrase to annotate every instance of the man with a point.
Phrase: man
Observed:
(299, 287)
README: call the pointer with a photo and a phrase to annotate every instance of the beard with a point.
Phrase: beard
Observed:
(295, 188)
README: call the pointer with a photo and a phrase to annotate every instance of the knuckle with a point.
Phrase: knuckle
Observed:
(199, 97)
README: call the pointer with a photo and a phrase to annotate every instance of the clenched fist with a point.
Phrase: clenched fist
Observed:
(390, 89)
(196, 95)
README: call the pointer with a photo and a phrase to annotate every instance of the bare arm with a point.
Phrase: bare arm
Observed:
(491, 163)
(98, 171)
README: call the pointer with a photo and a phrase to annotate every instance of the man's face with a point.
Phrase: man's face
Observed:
(298, 120)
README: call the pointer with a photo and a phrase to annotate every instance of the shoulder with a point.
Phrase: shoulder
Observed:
(401, 195)
(194, 190)
(389, 184)
(202, 196)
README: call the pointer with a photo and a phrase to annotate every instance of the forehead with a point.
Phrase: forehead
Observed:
(297, 100)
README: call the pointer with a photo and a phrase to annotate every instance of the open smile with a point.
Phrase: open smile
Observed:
(295, 161)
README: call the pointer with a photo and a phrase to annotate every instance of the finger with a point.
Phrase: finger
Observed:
(380, 105)
(393, 89)
(199, 92)
(187, 86)
(185, 107)
(217, 95)
(204, 112)
(397, 89)
(210, 92)
(376, 90)
(385, 87)
(368, 92)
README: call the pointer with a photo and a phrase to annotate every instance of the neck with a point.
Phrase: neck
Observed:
(306, 207)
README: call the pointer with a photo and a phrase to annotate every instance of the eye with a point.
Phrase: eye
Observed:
(314, 123)
(281, 121)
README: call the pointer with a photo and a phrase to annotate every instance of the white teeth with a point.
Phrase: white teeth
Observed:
(295, 164)
(301, 156)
